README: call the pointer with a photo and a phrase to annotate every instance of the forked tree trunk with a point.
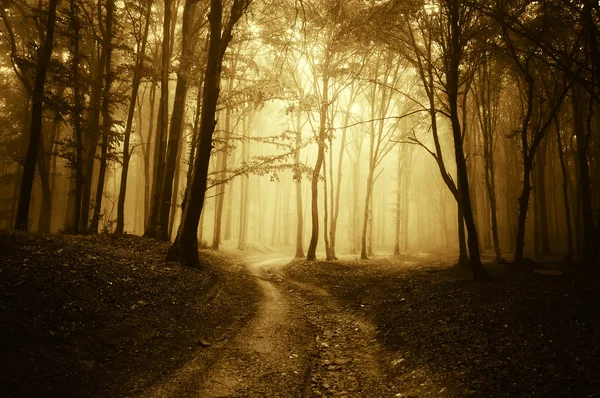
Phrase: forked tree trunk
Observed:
(35, 133)
(452, 75)
(314, 187)
(185, 247)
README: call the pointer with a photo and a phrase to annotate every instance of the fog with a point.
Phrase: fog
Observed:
(375, 88)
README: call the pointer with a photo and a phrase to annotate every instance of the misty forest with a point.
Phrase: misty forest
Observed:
(424, 175)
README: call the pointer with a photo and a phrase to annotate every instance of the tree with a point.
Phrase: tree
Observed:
(142, 40)
(185, 247)
(35, 133)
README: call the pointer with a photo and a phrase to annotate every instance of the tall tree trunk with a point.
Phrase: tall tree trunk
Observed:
(565, 190)
(541, 199)
(185, 247)
(399, 176)
(174, 197)
(583, 136)
(137, 78)
(314, 187)
(162, 125)
(338, 186)
(45, 217)
(452, 77)
(177, 118)
(35, 134)
(298, 183)
(223, 158)
(77, 107)
(148, 173)
(328, 255)
(245, 194)
(106, 117)
(91, 138)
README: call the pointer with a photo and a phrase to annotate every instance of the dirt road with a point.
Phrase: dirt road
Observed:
(300, 344)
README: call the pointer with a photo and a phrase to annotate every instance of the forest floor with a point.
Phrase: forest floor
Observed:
(442, 334)
(105, 316)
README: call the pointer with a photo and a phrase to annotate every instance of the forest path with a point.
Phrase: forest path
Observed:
(300, 343)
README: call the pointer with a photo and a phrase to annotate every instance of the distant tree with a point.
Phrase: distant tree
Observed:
(141, 37)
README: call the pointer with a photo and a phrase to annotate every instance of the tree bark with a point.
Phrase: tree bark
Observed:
(35, 133)
(177, 116)
(106, 117)
(311, 255)
(298, 184)
(137, 78)
(185, 247)
(452, 80)
(162, 125)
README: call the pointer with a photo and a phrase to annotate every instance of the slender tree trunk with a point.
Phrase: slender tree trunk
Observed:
(175, 195)
(328, 255)
(91, 141)
(35, 134)
(398, 201)
(77, 106)
(137, 78)
(162, 125)
(148, 144)
(541, 198)
(298, 183)
(589, 241)
(312, 247)
(452, 75)
(245, 194)
(177, 116)
(565, 189)
(106, 117)
(185, 247)
(45, 217)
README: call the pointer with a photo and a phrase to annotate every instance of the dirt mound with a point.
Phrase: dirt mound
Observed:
(104, 315)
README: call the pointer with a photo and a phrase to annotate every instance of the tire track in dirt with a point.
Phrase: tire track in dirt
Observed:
(301, 343)
(271, 356)
(345, 362)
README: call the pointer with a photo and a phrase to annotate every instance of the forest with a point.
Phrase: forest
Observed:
(357, 126)
(299, 198)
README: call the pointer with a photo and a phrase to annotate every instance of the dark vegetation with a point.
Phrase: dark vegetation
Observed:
(105, 316)
(523, 334)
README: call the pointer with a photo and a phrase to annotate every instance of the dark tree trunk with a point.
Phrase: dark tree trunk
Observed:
(589, 242)
(185, 247)
(162, 125)
(45, 217)
(147, 151)
(137, 78)
(106, 117)
(35, 134)
(311, 255)
(298, 183)
(177, 117)
(452, 75)
(77, 107)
